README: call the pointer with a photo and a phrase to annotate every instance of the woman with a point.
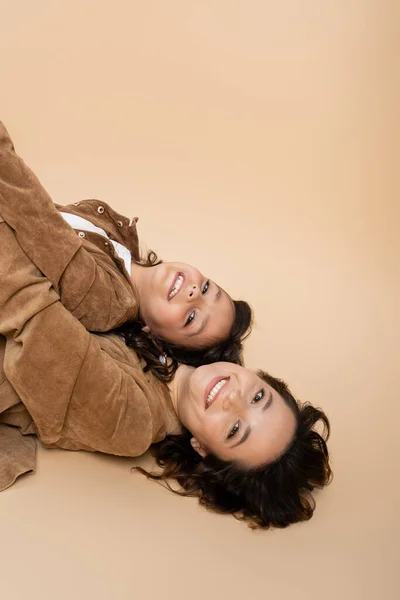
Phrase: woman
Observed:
(252, 449)
(164, 308)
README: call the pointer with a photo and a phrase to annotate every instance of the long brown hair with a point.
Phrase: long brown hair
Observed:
(274, 495)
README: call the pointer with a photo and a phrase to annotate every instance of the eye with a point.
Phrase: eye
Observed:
(190, 318)
(258, 397)
(234, 431)
(206, 287)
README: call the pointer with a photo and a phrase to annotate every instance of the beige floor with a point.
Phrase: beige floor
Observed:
(258, 140)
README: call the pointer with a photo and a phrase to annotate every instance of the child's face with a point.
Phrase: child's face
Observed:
(181, 305)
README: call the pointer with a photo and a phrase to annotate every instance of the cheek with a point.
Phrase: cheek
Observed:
(160, 314)
(211, 433)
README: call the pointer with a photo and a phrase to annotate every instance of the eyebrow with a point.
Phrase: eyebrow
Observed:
(248, 428)
(200, 329)
(268, 402)
(204, 323)
(244, 437)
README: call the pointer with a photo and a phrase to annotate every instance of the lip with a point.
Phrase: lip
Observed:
(173, 283)
(210, 387)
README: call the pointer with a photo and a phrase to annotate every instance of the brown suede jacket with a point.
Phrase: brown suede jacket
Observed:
(84, 269)
(73, 389)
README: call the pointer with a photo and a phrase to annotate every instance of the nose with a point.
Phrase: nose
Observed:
(231, 400)
(193, 292)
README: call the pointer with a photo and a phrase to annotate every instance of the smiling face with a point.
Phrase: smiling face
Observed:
(183, 306)
(234, 414)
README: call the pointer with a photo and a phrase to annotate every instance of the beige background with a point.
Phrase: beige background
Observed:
(258, 140)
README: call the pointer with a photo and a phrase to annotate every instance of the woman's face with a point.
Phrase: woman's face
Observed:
(183, 306)
(234, 414)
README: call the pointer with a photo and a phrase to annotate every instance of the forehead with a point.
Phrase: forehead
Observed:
(223, 304)
(217, 319)
(272, 431)
(221, 314)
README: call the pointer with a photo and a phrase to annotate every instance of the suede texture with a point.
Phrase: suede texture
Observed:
(72, 388)
(86, 272)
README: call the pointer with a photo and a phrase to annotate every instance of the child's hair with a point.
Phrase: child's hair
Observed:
(162, 358)
(274, 495)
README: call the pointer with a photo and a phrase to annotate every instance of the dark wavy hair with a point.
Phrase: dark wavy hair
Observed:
(162, 358)
(274, 495)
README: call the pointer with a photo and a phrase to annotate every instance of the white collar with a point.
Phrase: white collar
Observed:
(80, 223)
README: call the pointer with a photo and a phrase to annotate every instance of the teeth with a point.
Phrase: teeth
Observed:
(215, 389)
(177, 287)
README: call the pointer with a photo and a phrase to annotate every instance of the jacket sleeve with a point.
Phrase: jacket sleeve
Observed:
(88, 286)
(80, 393)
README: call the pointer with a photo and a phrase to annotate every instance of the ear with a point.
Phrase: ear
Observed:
(146, 329)
(198, 447)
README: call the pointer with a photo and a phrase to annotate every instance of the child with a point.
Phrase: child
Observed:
(165, 308)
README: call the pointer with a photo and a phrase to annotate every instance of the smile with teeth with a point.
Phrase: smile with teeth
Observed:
(217, 387)
(177, 286)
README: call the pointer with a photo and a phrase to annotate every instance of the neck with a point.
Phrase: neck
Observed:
(179, 386)
(138, 274)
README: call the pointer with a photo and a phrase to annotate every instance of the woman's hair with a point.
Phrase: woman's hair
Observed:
(163, 357)
(274, 495)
